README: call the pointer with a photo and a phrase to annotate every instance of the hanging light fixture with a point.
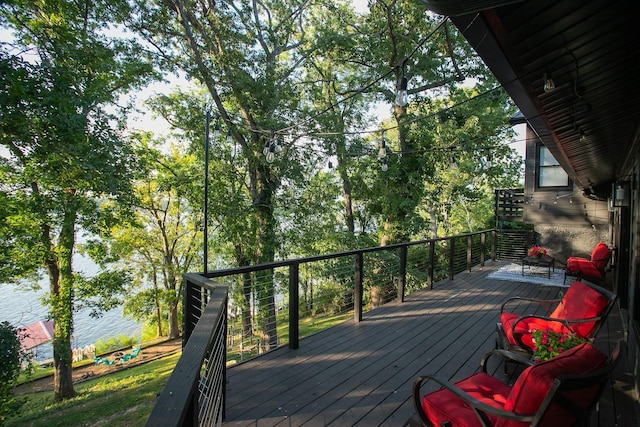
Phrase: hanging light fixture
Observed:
(549, 84)
(402, 96)
(271, 154)
(385, 166)
(382, 152)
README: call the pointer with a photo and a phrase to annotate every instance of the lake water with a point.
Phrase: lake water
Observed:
(22, 307)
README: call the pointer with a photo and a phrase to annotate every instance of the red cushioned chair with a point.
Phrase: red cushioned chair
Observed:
(592, 268)
(561, 391)
(582, 311)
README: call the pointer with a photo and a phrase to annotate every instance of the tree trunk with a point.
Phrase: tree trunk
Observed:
(174, 326)
(61, 287)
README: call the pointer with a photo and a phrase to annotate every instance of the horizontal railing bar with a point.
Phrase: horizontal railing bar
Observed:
(313, 258)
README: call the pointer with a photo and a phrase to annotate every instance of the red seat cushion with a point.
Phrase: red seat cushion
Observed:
(534, 383)
(592, 267)
(581, 302)
(525, 326)
(442, 405)
(600, 255)
(583, 267)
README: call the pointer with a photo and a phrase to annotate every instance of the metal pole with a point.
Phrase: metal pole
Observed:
(206, 191)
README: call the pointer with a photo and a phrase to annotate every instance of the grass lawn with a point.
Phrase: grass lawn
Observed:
(121, 399)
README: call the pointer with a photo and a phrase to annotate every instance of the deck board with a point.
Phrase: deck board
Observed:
(361, 373)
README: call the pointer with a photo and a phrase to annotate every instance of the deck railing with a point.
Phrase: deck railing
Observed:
(231, 315)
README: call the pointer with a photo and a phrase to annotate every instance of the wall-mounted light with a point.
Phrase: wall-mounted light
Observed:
(619, 195)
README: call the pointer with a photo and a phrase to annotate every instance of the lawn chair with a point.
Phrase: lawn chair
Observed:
(582, 311)
(136, 351)
(592, 268)
(561, 391)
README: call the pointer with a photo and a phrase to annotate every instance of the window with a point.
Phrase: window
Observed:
(550, 173)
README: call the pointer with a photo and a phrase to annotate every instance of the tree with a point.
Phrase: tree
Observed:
(163, 238)
(400, 40)
(247, 55)
(63, 153)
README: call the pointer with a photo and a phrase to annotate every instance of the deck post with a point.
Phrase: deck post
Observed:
(469, 254)
(294, 305)
(483, 248)
(452, 257)
(357, 284)
(432, 259)
(494, 244)
(402, 273)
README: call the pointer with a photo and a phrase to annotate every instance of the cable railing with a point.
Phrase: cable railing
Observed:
(235, 314)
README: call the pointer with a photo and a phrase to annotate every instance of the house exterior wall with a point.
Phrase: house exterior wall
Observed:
(566, 221)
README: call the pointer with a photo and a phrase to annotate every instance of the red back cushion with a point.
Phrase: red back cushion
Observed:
(600, 255)
(534, 383)
(581, 302)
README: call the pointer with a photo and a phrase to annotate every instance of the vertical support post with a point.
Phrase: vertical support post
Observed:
(452, 257)
(192, 299)
(294, 305)
(483, 248)
(432, 262)
(494, 244)
(357, 284)
(469, 252)
(402, 273)
(205, 230)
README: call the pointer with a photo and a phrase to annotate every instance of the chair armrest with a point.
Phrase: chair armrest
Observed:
(548, 304)
(506, 354)
(567, 323)
(481, 409)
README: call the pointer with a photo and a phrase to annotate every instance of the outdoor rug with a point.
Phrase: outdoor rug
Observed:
(532, 274)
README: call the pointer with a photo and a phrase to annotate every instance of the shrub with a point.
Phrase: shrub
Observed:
(12, 358)
(114, 343)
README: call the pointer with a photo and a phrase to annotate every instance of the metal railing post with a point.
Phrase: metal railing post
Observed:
(432, 262)
(452, 257)
(469, 252)
(357, 291)
(294, 305)
(483, 248)
(402, 273)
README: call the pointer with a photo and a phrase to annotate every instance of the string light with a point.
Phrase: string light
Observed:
(382, 152)
(402, 96)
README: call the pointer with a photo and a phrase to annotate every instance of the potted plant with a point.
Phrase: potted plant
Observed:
(548, 343)
(537, 251)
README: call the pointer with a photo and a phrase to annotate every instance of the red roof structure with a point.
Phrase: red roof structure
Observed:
(36, 334)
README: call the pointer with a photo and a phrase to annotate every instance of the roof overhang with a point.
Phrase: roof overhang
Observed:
(591, 120)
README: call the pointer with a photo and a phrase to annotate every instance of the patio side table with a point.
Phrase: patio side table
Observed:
(544, 261)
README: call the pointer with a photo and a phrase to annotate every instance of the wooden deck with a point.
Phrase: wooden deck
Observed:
(360, 374)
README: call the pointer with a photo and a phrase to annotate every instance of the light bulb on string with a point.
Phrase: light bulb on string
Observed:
(385, 166)
(382, 152)
(271, 156)
(229, 137)
(402, 96)
(216, 131)
(278, 145)
(549, 84)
